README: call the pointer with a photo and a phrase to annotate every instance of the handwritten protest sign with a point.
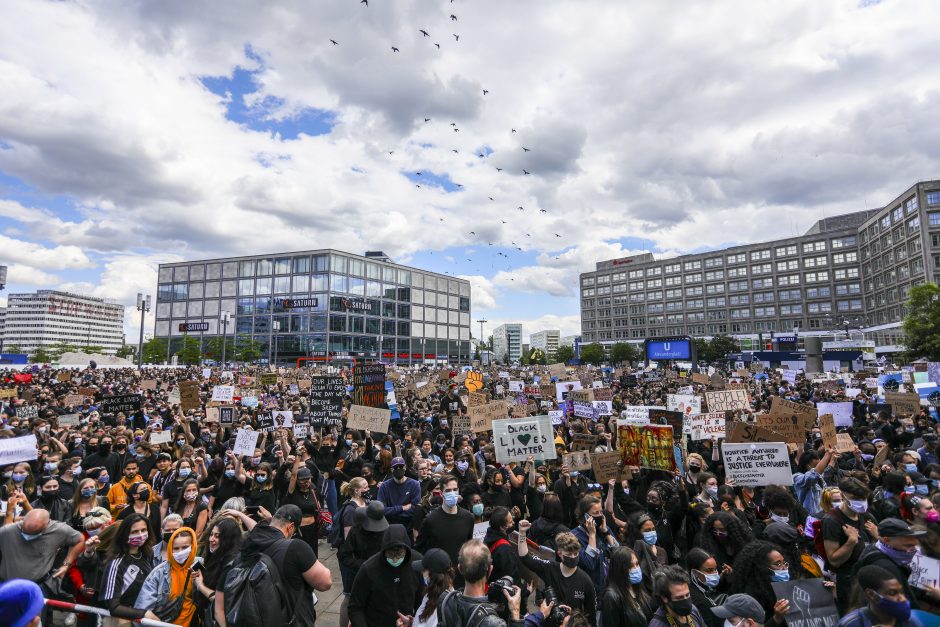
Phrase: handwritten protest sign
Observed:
(925, 571)
(606, 466)
(245, 442)
(563, 388)
(557, 416)
(369, 385)
(903, 402)
(647, 447)
(368, 418)
(844, 443)
(710, 426)
(827, 428)
(766, 463)
(583, 442)
(69, 420)
(482, 416)
(841, 412)
(578, 460)
(326, 397)
(189, 395)
(475, 399)
(737, 431)
(790, 426)
(686, 403)
(126, 403)
(811, 604)
(223, 393)
(780, 405)
(148, 384)
(11, 393)
(21, 449)
(727, 400)
(516, 439)
(160, 437)
(27, 412)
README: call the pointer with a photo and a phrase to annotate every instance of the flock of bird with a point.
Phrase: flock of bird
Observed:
(424, 33)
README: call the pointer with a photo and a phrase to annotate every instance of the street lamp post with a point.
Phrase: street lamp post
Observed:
(143, 306)
(482, 321)
(275, 327)
(225, 320)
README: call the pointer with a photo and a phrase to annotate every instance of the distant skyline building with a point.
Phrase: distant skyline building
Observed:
(546, 340)
(49, 317)
(847, 274)
(568, 340)
(507, 340)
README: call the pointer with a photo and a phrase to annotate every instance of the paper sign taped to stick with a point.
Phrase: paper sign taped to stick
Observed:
(517, 438)
(368, 418)
(21, 449)
(728, 400)
(482, 416)
(766, 463)
(245, 442)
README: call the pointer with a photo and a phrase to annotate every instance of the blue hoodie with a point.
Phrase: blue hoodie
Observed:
(394, 495)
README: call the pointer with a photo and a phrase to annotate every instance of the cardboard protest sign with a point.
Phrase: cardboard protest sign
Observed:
(583, 442)
(368, 418)
(223, 393)
(21, 449)
(424, 391)
(606, 466)
(304, 384)
(148, 384)
(811, 603)
(925, 571)
(728, 400)
(709, 426)
(558, 370)
(482, 416)
(647, 447)
(827, 428)
(516, 439)
(738, 431)
(160, 437)
(841, 412)
(698, 377)
(268, 378)
(11, 393)
(547, 390)
(475, 399)
(63, 375)
(578, 460)
(603, 394)
(245, 442)
(519, 411)
(326, 397)
(126, 403)
(581, 396)
(780, 405)
(903, 402)
(189, 395)
(844, 443)
(749, 464)
(212, 414)
(69, 420)
(790, 426)
(174, 397)
(369, 385)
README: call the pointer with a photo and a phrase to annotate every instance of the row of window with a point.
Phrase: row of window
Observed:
(603, 287)
(319, 323)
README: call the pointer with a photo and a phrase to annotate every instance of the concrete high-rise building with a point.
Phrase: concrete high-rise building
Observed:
(546, 340)
(319, 304)
(568, 340)
(507, 340)
(3, 319)
(847, 273)
(49, 317)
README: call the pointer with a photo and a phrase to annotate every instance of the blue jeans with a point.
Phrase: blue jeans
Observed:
(331, 497)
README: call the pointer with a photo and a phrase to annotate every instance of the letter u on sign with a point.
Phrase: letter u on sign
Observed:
(666, 346)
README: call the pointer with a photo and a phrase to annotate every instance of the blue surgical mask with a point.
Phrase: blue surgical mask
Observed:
(866, 457)
(450, 499)
(18, 477)
(781, 575)
(462, 466)
(261, 478)
(29, 537)
(908, 489)
(575, 473)
(922, 488)
(89, 492)
(478, 509)
(230, 473)
(650, 537)
(636, 575)
(712, 580)
(185, 472)
(103, 478)
(910, 467)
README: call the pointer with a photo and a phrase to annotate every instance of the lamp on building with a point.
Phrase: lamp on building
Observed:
(143, 306)
(225, 321)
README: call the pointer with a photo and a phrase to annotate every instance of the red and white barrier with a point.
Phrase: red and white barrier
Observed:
(64, 606)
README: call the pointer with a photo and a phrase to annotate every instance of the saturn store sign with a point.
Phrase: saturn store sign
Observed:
(189, 327)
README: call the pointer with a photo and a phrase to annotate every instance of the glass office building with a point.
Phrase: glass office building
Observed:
(321, 303)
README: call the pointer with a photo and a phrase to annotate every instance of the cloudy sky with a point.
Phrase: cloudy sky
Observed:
(137, 132)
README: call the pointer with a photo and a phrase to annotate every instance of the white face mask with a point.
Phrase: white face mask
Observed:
(728, 623)
(181, 556)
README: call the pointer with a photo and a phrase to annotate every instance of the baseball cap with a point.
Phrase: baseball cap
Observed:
(398, 461)
(435, 561)
(290, 513)
(741, 605)
(304, 473)
(20, 602)
(897, 528)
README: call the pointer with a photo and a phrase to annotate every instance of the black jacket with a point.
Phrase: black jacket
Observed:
(872, 555)
(505, 560)
(616, 613)
(359, 546)
(380, 590)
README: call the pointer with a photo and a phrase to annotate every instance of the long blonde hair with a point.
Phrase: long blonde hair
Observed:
(356, 483)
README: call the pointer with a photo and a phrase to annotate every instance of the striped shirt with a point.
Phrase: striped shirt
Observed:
(124, 577)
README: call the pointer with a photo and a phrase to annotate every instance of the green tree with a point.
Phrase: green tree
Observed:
(537, 357)
(189, 352)
(720, 346)
(593, 354)
(564, 354)
(155, 350)
(247, 349)
(126, 351)
(13, 349)
(701, 349)
(922, 323)
(42, 355)
(624, 352)
(92, 350)
(213, 348)
(505, 358)
(524, 359)
(60, 348)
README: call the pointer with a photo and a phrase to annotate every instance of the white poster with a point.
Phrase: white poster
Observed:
(563, 387)
(757, 464)
(852, 392)
(480, 529)
(21, 449)
(515, 386)
(557, 416)
(790, 376)
(223, 393)
(603, 408)
(206, 373)
(686, 403)
(517, 438)
(925, 571)
(160, 437)
(245, 442)
(841, 412)
(708, 426)
(283, 419)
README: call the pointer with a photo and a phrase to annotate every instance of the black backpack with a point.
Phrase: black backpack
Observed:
(255, 595)
(453, 606)
(335, 535)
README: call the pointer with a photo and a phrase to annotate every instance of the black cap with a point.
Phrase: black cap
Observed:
(375, 517)
(435, 561)
(897, 528)
(290, 513)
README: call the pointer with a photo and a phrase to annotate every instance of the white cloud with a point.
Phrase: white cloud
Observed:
(24, 275)
(482, 290)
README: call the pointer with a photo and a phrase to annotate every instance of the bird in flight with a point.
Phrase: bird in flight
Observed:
(365, 2)
(521, 209)
(453, 18)
(417, 173)
(391, 152)
(453, 124)
(456, 130)
(438, 46)
(524, 149)
(513, 243)
(424, 32)
(557, 235)
(504, 222)
(526, 172)
(542, 211)
(456, 36)
(490, 197)
(513, 130)
(416, 185)
(481, 155)
(458, 185)
(334, 42)
(486, 91)
(442, 219)
(472, 233)
(455, 151)
(499, 169)
(426, 120)
(394, 49)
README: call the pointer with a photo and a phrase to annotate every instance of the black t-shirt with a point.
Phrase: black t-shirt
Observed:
(446, 531)
(226, 489)
(576, 591)
(451, 406)
(832, 530)
(293, 559)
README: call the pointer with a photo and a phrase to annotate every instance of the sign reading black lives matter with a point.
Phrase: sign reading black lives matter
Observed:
(326, 400)
(369, 385)
(126, 403)
(517, 438)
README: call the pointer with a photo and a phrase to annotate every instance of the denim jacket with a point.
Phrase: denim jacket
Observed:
(156, 588)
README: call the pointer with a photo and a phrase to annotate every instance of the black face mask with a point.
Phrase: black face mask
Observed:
(167, 536)
(569, 560)
(143, 496)
(694, 469)
(104, 448)
(682, 607)
(398, 473)
(49, 496)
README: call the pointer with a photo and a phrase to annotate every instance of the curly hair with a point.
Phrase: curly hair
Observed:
(739, 535)
(778, 497)
(751, 574)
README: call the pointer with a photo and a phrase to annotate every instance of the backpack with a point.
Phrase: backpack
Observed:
(478, 613)
(335, 530)
(255, 595)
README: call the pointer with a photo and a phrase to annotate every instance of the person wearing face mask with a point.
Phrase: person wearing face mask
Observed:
(117, 495)
(49, 499)
(886, 499)
(846, 531)
(84, 500)
(708, 586)
(261, 490)
(399, 494)
(696, 466)
(138, 500)
(190, 506)
(84, 573)
(885, 598)
(101, 456)
(597, 541)
(219, 546)
(387, 584)
(29, 549)
(448, 526)
(928, 452)
(758, 565)
(724, 536)
(625, 602)
(740, 610)
(174, 579)
(363, 540)
(921, 512)
(671, 587)
(549, 524)
(227, 486)
(130, 560)
(437, 572)
(572, 586)
(895, 549)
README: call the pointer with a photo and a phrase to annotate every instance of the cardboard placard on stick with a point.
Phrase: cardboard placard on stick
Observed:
(827, 428)
(189, 395)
